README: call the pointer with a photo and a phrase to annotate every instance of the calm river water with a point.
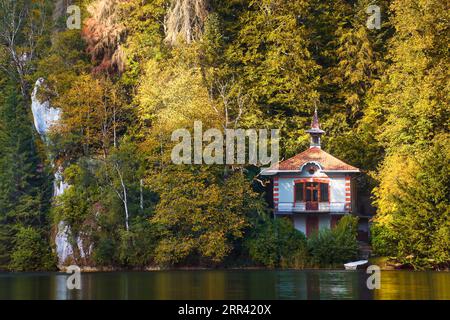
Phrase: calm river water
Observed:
(246, 284)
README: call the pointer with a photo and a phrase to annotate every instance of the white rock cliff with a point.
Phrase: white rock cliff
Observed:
(44, 117)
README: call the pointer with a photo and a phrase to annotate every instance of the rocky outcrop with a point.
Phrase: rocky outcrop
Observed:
(44, 117)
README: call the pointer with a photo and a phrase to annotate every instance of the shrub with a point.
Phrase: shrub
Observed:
(276, 243)
(339, 245)
(322, 247)
(299, 259)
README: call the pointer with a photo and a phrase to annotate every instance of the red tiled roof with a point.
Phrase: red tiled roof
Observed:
(326, 160)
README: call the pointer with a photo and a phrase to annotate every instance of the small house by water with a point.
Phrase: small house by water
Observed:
(313, 188)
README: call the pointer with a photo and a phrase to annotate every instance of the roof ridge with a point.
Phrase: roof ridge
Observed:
(328, 161)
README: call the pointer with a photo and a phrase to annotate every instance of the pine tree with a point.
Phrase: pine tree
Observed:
(24, 184)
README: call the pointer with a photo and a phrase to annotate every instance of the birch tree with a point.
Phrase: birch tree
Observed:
(22, 23)
(122, 170)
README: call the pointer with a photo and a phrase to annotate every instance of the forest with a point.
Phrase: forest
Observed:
(136, 70)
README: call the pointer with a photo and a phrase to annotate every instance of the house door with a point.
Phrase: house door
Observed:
(312, 195)
(312, 225)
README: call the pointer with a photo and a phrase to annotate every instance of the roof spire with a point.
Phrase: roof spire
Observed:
(315, 122)
(315, 132)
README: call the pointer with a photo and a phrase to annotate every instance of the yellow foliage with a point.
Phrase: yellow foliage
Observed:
(397, 168)
(172, 96)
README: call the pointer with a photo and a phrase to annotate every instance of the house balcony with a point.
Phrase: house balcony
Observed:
(319, 207)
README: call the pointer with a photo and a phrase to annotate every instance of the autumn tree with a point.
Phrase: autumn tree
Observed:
(93, 117)
(274, 65)
(104, 34)
(411, 106)
(200, 215)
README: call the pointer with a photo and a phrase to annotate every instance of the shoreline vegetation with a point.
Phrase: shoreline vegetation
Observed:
(384, 266)
(98, 187)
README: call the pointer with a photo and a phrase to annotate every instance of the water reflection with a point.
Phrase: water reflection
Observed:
(235, 285)
(414, 285)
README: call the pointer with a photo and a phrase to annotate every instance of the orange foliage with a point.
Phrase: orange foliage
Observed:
(104, 33)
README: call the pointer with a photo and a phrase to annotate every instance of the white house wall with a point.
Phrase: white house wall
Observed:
(337, 186)
(285, 194)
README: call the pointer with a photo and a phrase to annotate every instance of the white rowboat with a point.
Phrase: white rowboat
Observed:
(356, 265)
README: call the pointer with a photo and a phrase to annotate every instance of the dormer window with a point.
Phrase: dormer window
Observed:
(310, 168)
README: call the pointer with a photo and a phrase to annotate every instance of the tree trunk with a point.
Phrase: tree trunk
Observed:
(126, 208)
(124, 198)
(141, 191)
(125, 203)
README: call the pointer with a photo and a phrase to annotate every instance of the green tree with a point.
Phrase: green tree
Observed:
(409, 108)
(24, 184)
(137, 246)
(31, 252)
(274, 69)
